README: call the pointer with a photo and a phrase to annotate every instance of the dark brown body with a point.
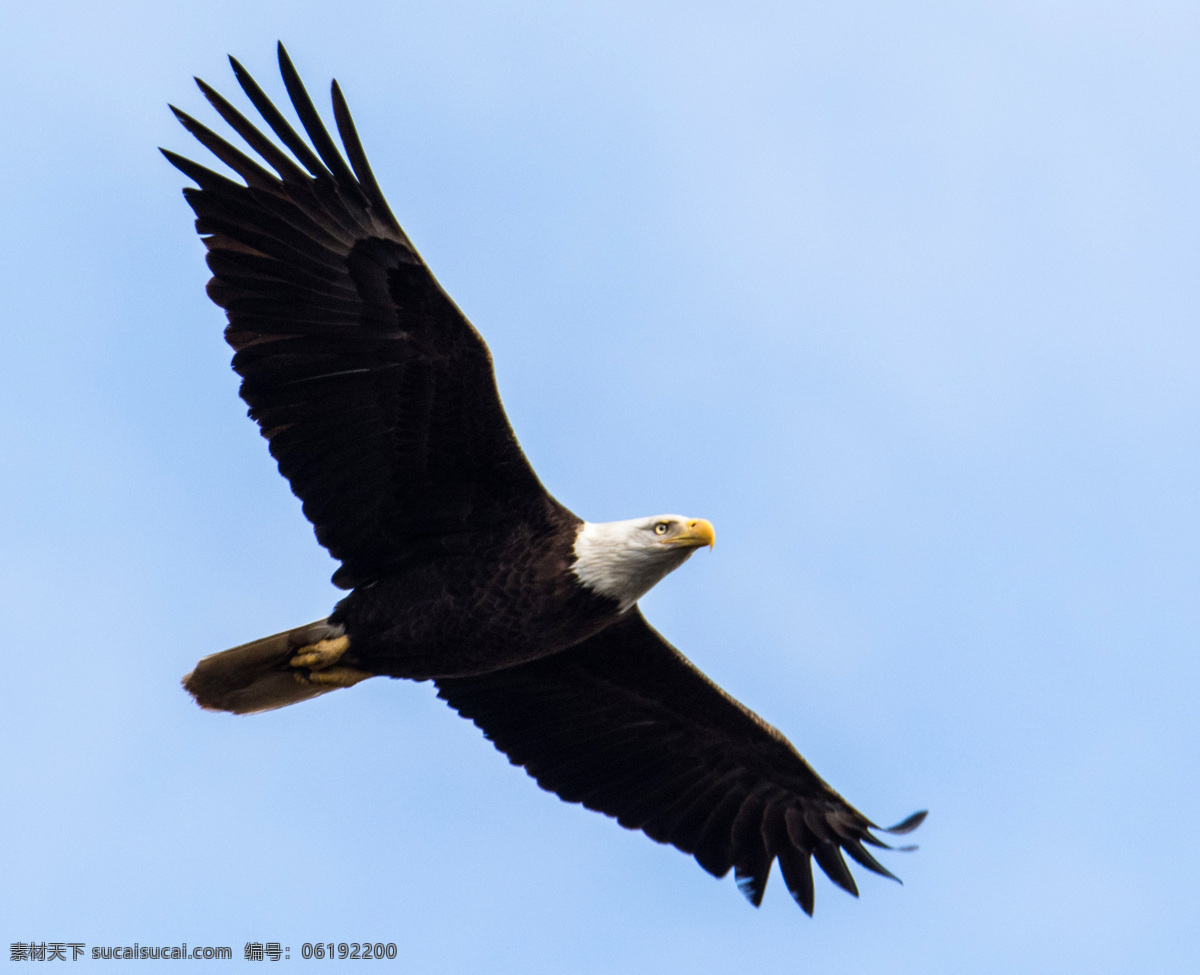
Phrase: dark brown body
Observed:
(512, 599)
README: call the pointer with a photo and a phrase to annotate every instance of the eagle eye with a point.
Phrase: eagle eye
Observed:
(661, 528)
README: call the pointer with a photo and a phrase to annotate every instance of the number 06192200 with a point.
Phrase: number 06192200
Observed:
(353, 949)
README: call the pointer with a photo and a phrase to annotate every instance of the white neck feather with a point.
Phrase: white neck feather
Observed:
(622, 560)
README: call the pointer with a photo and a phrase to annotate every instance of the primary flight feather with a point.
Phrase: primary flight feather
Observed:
(379, 403)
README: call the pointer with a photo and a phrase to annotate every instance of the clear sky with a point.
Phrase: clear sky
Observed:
(902, 296)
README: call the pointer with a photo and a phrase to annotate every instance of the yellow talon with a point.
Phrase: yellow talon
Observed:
(336, 676)
(322, 654)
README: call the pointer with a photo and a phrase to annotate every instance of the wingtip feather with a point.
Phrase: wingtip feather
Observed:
(752, 888)
(909, 824)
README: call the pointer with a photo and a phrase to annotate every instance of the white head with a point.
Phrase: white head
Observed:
(624, 559)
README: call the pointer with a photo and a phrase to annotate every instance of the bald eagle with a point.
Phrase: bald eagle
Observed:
(379, 403)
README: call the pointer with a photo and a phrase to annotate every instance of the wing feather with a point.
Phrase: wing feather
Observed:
(274, 118)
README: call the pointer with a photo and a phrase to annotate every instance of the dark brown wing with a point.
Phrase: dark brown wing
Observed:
(626, 725)
(376, 394)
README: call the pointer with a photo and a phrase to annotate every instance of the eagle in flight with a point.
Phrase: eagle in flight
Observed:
(379, 403)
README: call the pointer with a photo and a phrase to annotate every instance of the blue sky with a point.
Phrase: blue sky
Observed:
(903, 297)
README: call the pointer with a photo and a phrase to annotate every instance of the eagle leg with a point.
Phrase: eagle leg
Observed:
(320, 660)
(334, 676)
(321, 655)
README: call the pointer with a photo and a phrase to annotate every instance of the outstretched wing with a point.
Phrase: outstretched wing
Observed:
(624, 724)
(377, 396)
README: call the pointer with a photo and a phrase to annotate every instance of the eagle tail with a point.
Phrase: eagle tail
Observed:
(268, 673)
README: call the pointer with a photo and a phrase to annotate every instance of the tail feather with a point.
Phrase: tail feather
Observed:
(255, 676)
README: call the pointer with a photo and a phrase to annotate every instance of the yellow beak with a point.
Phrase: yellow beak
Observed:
(698, 532)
